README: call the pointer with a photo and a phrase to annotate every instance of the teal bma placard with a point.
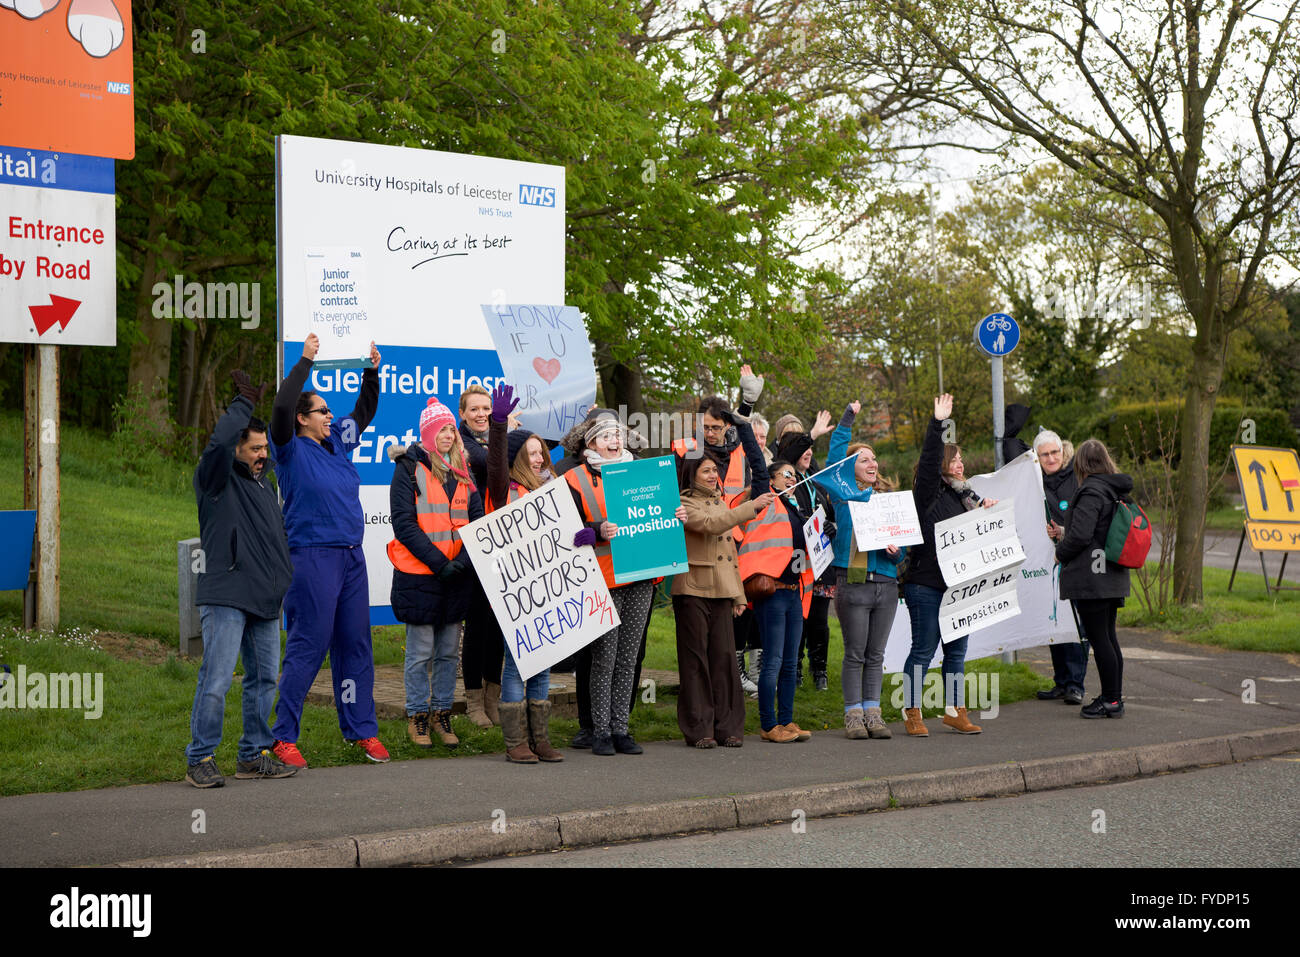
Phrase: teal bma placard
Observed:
(640, 498)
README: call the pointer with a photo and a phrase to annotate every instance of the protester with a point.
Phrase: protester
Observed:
(941, 492)
(761, 428)
(614, 654)
(1069, 659)
(796, 447)
(430, 498)
(778, 579)
(246, 571)
(866, 592)
(518, 464)
(1096, 586)
(482, 644)
(327, 607)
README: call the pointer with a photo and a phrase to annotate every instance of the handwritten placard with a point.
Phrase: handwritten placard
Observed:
(546, 355)
(548, 595)
(980, 541)
(817, 544)
(338, 306)
(978, 603)
(887, 518)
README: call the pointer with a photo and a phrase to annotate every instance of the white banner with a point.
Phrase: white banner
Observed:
(548, 595)
(982, 540)
(817, 545)
(887, 518)
(1043, 619)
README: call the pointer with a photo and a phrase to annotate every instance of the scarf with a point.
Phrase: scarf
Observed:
(969, 499)
(596, 460)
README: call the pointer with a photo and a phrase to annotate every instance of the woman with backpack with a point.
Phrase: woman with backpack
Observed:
(1094, 584)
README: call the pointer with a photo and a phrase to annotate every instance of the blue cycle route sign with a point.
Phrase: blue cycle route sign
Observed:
(997, 334)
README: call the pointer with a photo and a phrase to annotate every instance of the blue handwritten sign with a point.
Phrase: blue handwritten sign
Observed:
(546, 355)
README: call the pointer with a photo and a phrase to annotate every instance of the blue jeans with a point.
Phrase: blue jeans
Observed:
(923, 608)
(513, 687)
(780, 624)
(436, 643)
(1069, 665)
(228, 633)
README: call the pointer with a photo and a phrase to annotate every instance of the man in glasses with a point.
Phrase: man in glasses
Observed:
(244, 569)
(327, 607)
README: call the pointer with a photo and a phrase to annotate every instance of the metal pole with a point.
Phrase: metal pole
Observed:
(934, 272)
(999, 413)
(31, 438)
(47, 487)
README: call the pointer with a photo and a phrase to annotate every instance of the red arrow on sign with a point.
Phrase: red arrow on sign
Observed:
(59, 310)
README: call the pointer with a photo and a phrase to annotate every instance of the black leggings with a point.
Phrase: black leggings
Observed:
(483, 648)
(816, 635)
(1097, 615)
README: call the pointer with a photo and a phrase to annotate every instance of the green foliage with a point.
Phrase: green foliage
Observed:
(1145, 430)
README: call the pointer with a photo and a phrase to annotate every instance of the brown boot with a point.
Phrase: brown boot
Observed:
(961, 723)
(913, 723)
(474, 708)
(417, 726)
(539, 716)
(442, 724)
(492, 701)
(514, 727)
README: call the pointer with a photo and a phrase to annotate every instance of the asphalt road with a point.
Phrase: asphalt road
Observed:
(1242, 815)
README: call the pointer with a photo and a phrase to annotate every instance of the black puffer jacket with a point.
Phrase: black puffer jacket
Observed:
(1090, 514)
(425, 599)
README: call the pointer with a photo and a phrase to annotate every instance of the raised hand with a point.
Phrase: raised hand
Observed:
(311, 346)
(374, 356)
(822, 425)
(943, 407)
(751, 386)
(244, 386)
(503, 402)
(856, 406)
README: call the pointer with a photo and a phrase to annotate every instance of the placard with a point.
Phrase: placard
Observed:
(887, 518)
(546, 355)
(339, 306)
(977, 604)
(817, 545)
(980, 541)
(549, 595)
(641, 498)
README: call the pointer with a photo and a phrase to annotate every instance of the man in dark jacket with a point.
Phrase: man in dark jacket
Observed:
(243, 574)
(1069, 659)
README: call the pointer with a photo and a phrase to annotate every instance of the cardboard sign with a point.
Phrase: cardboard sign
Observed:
(546, 355)
(339, 306)
(818, 545)
(641, 498)
(887, 518)
(982, 540)
(976, 604)
(549, 596)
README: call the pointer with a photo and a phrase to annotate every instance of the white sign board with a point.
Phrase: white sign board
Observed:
(58, 249)
(439, 234)
(976, 604)
(1044, 618)
(338, 301)
(816, 543)
(549, 595)
(887, 518)
(982, 540)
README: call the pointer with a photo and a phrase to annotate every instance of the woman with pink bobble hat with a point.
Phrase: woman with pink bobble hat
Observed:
(431, 497)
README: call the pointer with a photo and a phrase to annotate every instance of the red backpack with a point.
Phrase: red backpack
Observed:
(1129, 538)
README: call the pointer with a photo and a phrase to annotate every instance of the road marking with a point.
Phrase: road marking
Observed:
(1150, 654)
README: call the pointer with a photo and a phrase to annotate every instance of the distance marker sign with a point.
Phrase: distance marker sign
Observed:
(58, 247)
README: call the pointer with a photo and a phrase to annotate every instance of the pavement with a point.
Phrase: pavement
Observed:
(1184, 705)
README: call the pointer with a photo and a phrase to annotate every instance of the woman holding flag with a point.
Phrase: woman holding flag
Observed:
(866, 586)
(517, 464)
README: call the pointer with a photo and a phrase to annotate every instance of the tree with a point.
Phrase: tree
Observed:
(1188, 110)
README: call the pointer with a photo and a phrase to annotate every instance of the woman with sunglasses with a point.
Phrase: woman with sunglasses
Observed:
(327, 607)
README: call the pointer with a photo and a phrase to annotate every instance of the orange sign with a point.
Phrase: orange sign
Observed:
(66, 83)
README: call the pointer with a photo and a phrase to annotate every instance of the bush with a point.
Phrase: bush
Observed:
(1140, 429)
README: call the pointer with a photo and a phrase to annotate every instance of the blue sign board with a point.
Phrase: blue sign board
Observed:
(997, 334)
(24, 167)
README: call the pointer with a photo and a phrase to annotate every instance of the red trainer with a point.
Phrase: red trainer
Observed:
(374, 750)
(288, 752)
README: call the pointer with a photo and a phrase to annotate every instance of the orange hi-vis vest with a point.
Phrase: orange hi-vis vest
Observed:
(767, 546)
(438, 518)
(734, 488)
(593, 510)
(515, 493)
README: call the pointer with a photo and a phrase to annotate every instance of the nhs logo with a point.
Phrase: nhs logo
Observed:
(536, 195)
(114, 87)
